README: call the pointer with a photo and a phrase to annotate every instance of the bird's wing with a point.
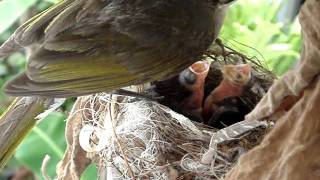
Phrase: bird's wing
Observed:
(74, 76)
(32, 30)
(81, 51)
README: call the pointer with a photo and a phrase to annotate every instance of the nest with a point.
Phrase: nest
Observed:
(134, 138)
(221, 55)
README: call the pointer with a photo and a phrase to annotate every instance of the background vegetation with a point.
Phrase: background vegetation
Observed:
(250, 27)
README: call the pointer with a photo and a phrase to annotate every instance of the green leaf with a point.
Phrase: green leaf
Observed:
(46, 138)
(90, 173)
(11, 10)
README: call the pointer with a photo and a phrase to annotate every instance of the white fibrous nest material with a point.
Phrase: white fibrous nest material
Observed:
(143, 139)
(131, 138)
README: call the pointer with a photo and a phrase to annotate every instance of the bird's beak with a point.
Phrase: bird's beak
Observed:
(194, 77)
(200, 69)
(245, 68)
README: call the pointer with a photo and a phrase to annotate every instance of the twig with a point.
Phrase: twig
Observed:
(118, 141)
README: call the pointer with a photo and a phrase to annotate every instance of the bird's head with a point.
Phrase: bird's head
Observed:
(194, 77)
(237, 74)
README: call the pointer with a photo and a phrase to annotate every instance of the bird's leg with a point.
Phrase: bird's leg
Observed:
(223, 50)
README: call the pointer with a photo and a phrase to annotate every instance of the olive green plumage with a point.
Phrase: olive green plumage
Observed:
(88, 46)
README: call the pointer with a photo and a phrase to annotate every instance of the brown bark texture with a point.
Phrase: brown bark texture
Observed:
(291, 150)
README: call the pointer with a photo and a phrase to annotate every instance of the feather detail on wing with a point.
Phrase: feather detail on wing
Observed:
(32, 30)
(87, 46)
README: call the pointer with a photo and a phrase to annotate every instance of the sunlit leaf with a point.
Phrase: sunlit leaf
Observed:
(90, 173)
(46, 138)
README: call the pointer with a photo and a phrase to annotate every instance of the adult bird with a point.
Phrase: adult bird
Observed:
(82, 47)
(88, 46)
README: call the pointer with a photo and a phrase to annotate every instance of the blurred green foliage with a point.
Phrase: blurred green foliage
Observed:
(250, 27)
(47, 138)
(10, 13)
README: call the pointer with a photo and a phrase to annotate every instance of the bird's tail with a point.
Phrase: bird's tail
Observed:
(16, 122)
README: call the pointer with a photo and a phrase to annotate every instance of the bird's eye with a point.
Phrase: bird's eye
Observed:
(190, 77)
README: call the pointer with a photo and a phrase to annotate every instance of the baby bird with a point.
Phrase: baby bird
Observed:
(193, 79)
(89, 46)
(235, 78)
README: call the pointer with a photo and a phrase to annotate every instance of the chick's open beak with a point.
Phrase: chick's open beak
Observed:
(245, 68)
(193, 79)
